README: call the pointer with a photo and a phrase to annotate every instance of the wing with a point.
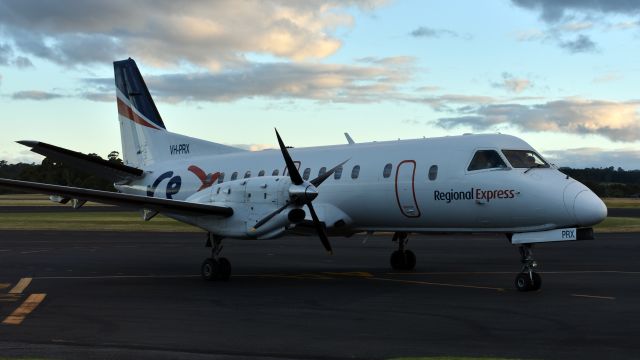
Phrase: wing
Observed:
(111, 198)
(102, 168)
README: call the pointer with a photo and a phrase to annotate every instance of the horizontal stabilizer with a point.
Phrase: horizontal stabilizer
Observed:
(111, 198)
(94, 165)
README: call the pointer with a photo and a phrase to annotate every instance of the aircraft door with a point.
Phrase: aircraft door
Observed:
(405, 189)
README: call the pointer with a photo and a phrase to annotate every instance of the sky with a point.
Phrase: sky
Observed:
(561, 74)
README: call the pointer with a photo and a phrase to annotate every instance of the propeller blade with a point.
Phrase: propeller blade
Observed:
(322, 232)
(291, 166)
(320, 179)
(265, 219)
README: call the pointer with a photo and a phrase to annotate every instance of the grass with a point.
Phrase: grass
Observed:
(90, 221)
(618, 224)
(448, 358)
(33, 200)
(622, 202)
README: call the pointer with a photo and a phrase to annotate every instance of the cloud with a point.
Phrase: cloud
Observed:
(581, 44)
(618, 121)
(168, 33)
(556, 10)
(513, 84)
(22, 62)
(254, 147)
(608, 77)
(427, 32)
(34, 95)
(628, 159)
(5, 54)
(315, 81)
(445, 102)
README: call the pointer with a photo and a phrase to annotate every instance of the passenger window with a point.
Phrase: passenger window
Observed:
(355, 172)
(261, 173)
(234, 176)
(322, 171)
(221, 178)
(486, 159)
(433, 172)
(247, 174)
(524, 159)
(306, 173)
(338, 174)
(387, 170)
(275, 172)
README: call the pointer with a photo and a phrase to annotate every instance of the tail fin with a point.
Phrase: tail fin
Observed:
(145, 139)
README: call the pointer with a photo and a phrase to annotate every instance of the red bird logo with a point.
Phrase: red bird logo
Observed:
(206, 179)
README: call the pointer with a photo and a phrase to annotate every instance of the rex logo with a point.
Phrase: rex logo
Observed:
(206, 179)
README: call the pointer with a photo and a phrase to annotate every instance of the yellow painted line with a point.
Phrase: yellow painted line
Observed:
(27, 307)
(4, 285)
(20, 286)
(594, 296)
(438, 284)
(362, 274)
(570, 272)
(32, 252)
(9, 297)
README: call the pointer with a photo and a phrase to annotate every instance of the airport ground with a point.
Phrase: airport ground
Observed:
(113, 294)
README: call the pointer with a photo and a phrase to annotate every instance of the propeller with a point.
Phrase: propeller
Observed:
(302, 193)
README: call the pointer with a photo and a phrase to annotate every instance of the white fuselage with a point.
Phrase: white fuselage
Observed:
(426, 189)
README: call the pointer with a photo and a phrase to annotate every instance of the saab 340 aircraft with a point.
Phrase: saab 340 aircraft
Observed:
(471, 183)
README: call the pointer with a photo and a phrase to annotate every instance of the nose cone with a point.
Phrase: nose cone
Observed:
(589, 209)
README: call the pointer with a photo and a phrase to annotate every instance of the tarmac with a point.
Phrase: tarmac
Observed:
(120, 295)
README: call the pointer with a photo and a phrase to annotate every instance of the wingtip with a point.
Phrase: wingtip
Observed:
(30, 143)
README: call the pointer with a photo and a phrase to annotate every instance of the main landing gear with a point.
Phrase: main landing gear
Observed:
(528, 279)
(402, 259)
(215, 267)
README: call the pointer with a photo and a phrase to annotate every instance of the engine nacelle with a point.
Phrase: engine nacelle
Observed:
(251, 199)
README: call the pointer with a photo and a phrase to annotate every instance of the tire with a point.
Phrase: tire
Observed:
(396, 260)
(224, 269)
(537, 282)
(409, 260)
(523, 282)
(209, 269)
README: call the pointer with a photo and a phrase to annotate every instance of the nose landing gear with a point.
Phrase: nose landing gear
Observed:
(402, 259)
(215, 267)
(528, 279)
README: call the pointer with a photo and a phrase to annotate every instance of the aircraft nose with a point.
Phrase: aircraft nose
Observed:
(588, 208)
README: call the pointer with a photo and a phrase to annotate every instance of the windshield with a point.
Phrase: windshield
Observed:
(486, 159)
(524, 159)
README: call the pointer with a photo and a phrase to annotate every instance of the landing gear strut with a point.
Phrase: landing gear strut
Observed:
(402, 259)
(528, 279)
(215, 267)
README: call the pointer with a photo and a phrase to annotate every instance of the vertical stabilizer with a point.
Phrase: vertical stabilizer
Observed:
(145, 139)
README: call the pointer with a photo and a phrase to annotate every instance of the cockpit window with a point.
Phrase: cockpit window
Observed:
(486, 159)
(524, 159)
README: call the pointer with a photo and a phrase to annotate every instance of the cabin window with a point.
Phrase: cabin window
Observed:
(306, 173)
(221, 178)
(387, 170)
(322, 171)
(275, 172)
(261, 173)
(338, 174)
(433, 172)
(486, 159)
(218, 191)
(247, 174)
(524, 159)
(355, 172)
(234, 176)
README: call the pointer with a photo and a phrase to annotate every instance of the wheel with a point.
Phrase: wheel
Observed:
(396, 260)
(537, 282)
(409, 260)
(209, 269)
(224, 269)
(524, 282)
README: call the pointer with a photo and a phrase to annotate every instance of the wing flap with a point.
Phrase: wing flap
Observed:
(111, 198)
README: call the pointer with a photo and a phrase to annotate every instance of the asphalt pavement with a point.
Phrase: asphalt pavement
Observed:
(115, 295)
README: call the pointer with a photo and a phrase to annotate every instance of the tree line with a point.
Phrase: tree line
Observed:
(606, 182)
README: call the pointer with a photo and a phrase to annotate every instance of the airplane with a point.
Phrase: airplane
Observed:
(486, 183)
